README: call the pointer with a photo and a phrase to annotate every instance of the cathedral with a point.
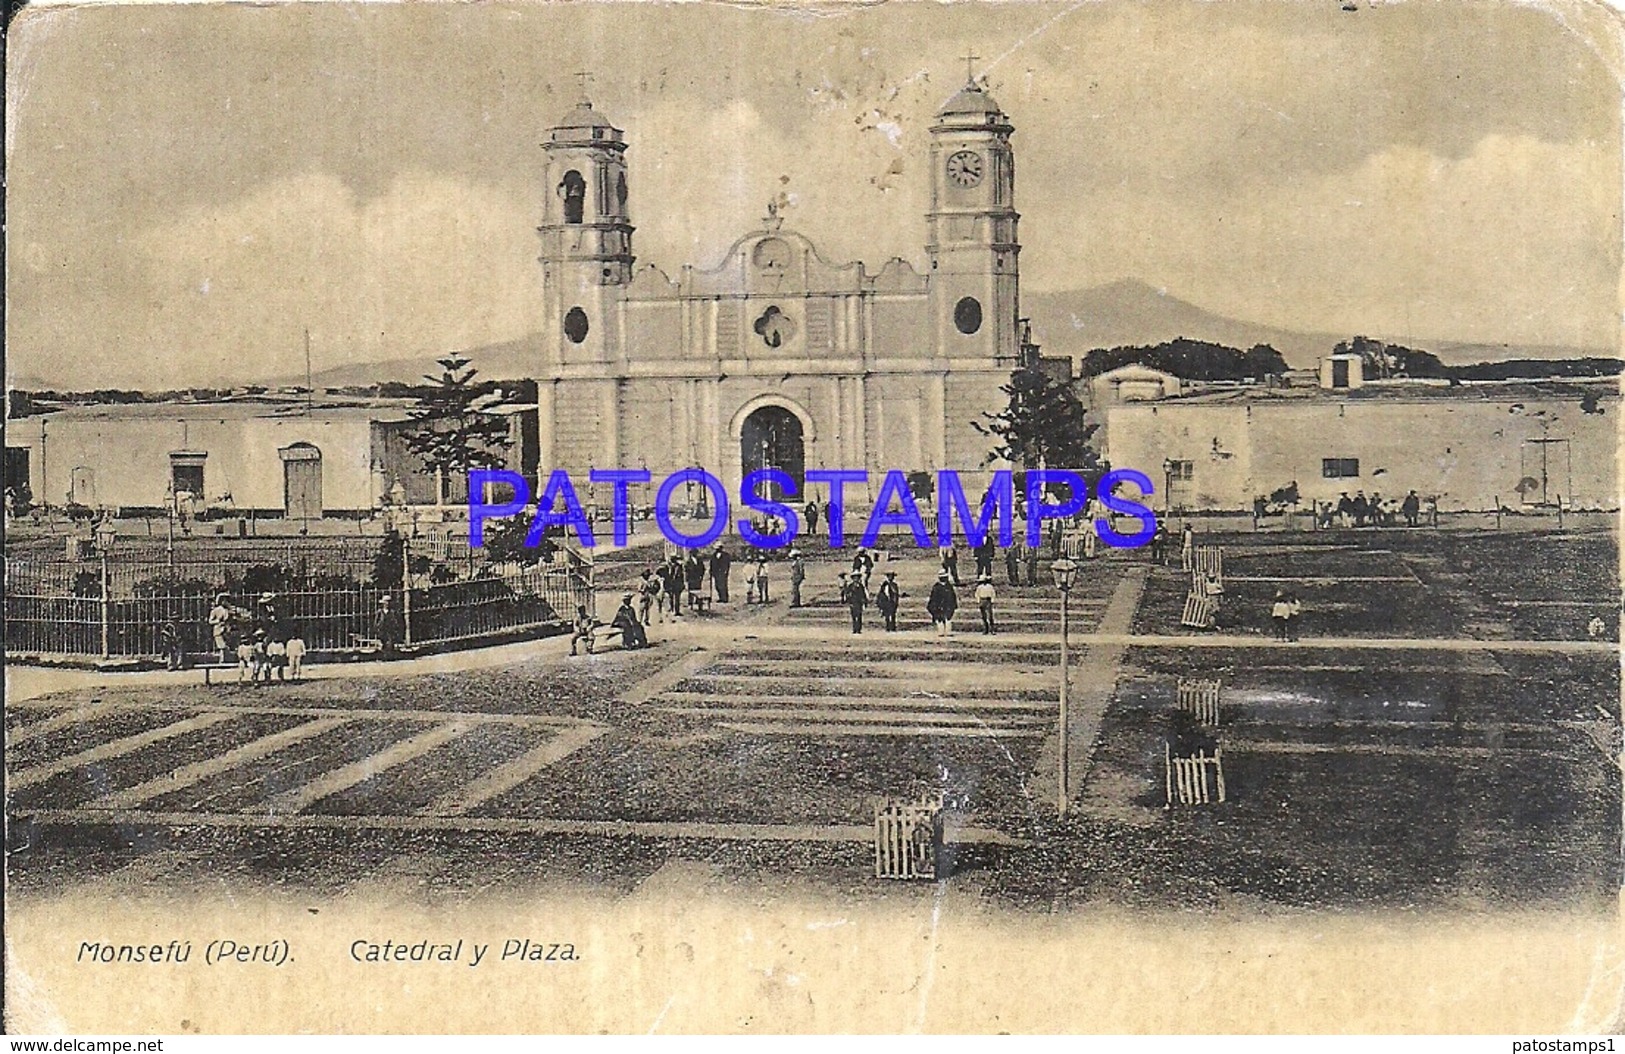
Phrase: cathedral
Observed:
(777, 357)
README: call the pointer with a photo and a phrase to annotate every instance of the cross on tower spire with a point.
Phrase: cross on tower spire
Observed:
(585, 78)
(970, 67)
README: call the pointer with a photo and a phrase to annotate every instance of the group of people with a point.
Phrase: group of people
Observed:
(625, 622)
(1361, 511)
(690, 582)
(263, 643)
(941, 604)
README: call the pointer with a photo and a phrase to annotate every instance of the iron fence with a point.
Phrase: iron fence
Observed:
(118, 605)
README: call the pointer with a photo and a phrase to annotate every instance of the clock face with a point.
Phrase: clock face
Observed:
(965, 168)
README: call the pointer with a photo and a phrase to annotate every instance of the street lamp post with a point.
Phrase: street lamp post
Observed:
(1065, 572)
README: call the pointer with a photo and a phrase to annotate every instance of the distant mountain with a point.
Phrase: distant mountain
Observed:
(1128, 312)
(509, 360)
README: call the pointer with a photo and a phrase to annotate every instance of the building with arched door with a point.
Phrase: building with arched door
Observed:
(776, 356)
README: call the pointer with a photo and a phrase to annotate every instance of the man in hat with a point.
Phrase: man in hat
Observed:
(1012, 564)
(693, 577)
(798, 575)
(389, 629)
(984, 602)
(887, 599)
(812, 518)
(648, 595)
(671, 578)
(626, 620)
(1280, 611)
(941, 605)
(720, 563)
(856, 598)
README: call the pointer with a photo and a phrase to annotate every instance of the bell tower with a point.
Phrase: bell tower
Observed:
(972, 224)
(586, 236)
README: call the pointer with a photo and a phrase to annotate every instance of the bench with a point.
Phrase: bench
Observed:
(208, 669)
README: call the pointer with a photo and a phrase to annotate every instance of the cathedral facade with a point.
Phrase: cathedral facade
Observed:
(777, 357)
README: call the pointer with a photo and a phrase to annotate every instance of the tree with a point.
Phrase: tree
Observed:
(1380, 359)
(454, 435)
(1042, 426)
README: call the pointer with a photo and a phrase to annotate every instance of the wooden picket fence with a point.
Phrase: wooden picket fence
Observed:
(1208, 560)
(1196, 778)
(1200, 612)
(908, 838)
(1200, 699)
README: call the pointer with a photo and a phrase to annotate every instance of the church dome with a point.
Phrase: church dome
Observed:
(970, 101)
(584, 116)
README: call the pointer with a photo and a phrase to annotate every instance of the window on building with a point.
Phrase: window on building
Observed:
(1181, 471)
(1340, 467)
(573, 189)
(187, 476)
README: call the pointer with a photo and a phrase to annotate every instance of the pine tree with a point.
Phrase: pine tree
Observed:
(454, 436)
(1042, 426)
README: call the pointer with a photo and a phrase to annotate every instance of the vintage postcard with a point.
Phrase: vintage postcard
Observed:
(911, 517)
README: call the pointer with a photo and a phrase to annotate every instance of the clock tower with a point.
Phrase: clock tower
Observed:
(972, 225)
(586, 237)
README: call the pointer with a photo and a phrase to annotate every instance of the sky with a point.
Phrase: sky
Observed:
(192, 187)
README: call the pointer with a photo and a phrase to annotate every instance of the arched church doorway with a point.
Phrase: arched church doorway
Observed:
(771, 437)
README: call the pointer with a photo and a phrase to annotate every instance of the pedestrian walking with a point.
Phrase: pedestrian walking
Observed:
(856, 598)
(1187, 548)
(173, 645)
(720, 563)
(761, 580)
(1012, 565)
(388, 627)
(648, 595)
(296, 656)
(798, 575)
(887, 599)
(950, 561)
(693, 577)
(863, 565)
(812, 518)
(1159, 544)
(220, 627)
(941, 605)
(1280, 612)
(1345, 509)
(984, 556)
(1029, 556)
(1411, 507)
(671, 581)
(984, 602)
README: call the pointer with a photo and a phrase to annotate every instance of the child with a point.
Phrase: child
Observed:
(1280, 612)
(276, 655)
(261, 658)
(245, 660)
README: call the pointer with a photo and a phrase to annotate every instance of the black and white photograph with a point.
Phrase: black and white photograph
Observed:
(974, 517)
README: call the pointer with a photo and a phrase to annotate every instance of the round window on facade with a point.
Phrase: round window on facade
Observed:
(968, 315)
(575, 325)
